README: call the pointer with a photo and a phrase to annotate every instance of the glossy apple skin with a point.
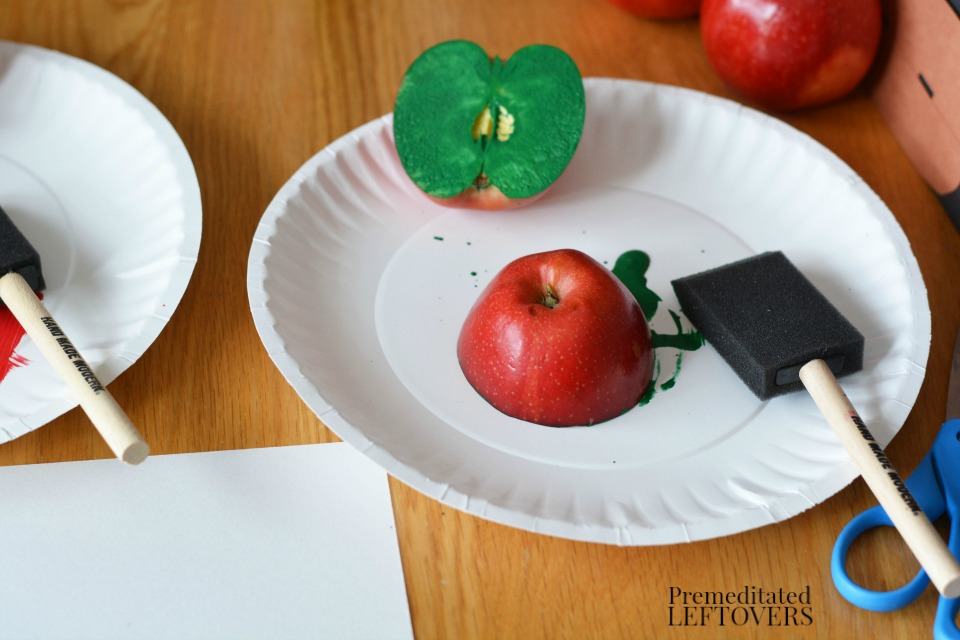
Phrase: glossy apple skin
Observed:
(660, 8)
(586, 360)
(789, 54)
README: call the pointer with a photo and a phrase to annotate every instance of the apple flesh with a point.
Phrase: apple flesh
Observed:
(669, 9)
(789, 54)
(558, 340)
(484, 133)
(484, 198)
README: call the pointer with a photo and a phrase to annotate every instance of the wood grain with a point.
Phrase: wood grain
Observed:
(255, 88)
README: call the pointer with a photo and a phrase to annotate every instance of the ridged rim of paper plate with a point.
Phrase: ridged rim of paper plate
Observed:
(187, 252)
(839, 475)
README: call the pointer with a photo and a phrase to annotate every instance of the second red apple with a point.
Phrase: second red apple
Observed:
(788, 54)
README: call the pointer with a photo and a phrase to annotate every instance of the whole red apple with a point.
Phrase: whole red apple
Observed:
(557, 339)
(660, 8)
(788, 54)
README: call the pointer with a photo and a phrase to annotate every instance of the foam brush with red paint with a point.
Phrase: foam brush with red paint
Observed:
(10, 335)
(21, 284)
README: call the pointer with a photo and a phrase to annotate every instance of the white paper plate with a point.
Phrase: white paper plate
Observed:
(359, 304)
(101, 184)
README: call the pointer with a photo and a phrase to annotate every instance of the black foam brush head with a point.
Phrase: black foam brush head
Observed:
(17, 254)
(767, 320)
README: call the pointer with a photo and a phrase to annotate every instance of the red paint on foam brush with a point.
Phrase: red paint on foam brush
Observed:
(10, 335)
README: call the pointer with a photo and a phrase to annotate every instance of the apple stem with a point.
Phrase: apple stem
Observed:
(550, 298)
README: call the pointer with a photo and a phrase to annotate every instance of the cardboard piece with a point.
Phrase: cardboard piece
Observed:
(918, 94)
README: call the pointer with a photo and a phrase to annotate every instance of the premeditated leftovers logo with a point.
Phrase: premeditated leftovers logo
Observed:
(749, 606)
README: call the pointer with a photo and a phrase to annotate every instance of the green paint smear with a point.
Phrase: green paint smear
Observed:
(631, 268)
(672, 380)
(685, 341)
(652, 387)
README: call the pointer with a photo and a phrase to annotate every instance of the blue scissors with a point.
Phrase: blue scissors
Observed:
(935, 485)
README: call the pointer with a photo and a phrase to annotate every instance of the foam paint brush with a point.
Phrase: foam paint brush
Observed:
(21, 280)
(780, 334)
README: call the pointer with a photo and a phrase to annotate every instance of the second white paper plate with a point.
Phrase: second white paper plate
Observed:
(358, 286)
(103, 187)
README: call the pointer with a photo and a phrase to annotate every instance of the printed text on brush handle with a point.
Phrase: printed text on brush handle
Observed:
(72, 354)
(887, 465)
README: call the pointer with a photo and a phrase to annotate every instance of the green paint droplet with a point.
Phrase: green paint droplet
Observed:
(440, 238)
(473, 273)
(631, 267)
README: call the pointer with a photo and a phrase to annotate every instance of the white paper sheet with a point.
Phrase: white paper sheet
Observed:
(287, 542)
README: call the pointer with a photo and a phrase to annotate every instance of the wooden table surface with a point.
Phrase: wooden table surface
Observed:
(254, 89)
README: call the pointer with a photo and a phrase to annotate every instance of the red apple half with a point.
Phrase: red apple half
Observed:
(788, 54)
(485, 133)
(557, 339)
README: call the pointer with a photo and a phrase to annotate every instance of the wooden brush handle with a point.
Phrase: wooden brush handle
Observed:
(882, 478)
(104, 412)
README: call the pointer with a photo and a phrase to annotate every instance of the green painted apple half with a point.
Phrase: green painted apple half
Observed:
(480, 132)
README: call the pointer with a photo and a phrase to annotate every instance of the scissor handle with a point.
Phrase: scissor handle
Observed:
(857, 594)
(947, 449)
